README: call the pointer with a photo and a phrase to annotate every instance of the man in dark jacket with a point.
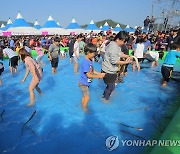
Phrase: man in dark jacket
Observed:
(146, 23)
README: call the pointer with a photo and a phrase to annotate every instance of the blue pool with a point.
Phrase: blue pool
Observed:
(59, 124)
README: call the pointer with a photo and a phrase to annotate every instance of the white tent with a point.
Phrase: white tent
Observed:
(9, 24)
(52, 31)
(21, 27)
(2, 27)
(74, 27)
(51, 28)
(37, 25)
(92, 27)
(105, 27)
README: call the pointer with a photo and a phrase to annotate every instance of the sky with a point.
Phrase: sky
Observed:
(131, 12)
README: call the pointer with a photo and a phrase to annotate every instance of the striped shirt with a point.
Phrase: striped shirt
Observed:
(9, 52)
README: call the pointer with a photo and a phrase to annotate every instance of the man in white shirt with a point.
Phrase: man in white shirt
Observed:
(13, 59)
(76, 52)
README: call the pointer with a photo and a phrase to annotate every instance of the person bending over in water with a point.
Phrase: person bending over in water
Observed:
(34, 68)
(153, 57)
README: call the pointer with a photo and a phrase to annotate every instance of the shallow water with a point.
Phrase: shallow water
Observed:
(60, 125)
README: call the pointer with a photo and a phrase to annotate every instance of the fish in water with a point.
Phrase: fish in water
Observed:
(130, 126)
(2, 115)
(137, 109)
(132, 134)
(29, 119)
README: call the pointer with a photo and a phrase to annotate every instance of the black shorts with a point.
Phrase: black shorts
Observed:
(109, 78)
(13, 62)
(70, 54)
(54, 62)
(140, 59)
(166, 72)
(1, 70)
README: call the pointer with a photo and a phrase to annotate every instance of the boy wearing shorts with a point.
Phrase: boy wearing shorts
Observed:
(169, 61)
(87, 73)
(54, 51)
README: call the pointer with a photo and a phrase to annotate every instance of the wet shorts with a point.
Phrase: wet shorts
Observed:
(13, 62)
(54, 62)
(166, 72)
(84, 89)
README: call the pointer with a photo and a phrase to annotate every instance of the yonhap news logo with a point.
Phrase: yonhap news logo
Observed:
(144, 143)
(113, 142)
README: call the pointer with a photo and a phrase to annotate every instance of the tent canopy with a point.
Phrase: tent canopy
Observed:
(50, 23)
(105, 27)
(117, 28)
(73, 25)
(20, 22)
(37, 25)
(92, 26)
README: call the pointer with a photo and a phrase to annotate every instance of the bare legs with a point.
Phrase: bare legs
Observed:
(13, 69)
(134, 67)
(31, 92)
(85, 100)
(75, 67)
(53, 70)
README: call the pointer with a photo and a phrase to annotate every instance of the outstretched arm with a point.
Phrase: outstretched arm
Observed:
(26, 74)
(98, 75)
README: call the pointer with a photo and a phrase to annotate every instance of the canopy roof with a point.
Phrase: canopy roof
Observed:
(105, 27)
(92, 26)
(117, 28)
(50, 23)
(20, 22)
(37, 25)
(73, 25)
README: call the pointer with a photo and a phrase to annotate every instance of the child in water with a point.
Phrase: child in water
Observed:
(168, 64)
(87, 73)
(34, 68)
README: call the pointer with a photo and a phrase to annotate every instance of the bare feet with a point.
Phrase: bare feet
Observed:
(30, 104)
(164, 83)
(106, 101)
(85, 110)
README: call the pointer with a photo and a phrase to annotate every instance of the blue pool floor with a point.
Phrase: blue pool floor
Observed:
(59, 124)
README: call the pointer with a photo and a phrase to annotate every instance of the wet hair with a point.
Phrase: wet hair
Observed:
(91, 48)
(122, 35)
(56, 39)
(161, 54)
(23, 54)
(174, 46)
